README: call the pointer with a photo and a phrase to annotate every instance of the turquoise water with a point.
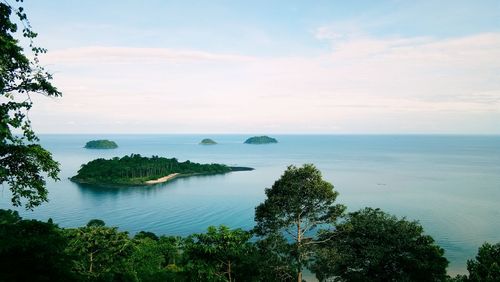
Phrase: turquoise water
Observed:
(450, 183)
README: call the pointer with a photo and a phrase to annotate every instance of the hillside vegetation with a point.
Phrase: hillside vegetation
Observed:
(136, 170)
(101, 144)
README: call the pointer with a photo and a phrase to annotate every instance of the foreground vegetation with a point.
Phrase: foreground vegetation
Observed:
(136, 170)
(32, 250)
(101, 144)
(24, 163)
(299, 226)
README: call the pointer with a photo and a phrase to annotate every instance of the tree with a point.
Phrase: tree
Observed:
(23, 162)
(297, 204)
(371, 245)
(32, 250)
(146, 234)
(103, 253)
(272, 259)
(148, 261)
(96, 223)
(217, 254)
(486, 266)
(154, 259)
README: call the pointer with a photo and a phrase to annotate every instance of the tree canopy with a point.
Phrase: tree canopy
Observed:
(217, 254)
(101, 144)
(102, 252)
(371, 245)
(260, 140)
(23, 162)
(208, 141)
(136, 170)
(32, 250)
(296, 205)
(486, 266)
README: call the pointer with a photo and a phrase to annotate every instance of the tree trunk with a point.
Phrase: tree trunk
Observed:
(229, 271)
(299, 255)
(91, 261)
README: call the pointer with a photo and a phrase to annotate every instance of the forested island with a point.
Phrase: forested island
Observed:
(260, 140)
(207, 141)
(138, 170)
(101, 144)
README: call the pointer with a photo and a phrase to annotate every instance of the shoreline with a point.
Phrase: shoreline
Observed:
(162, 179)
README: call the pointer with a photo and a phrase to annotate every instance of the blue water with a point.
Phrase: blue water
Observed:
(451, 184)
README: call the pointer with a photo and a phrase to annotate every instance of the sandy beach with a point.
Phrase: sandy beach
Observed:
(162, 179)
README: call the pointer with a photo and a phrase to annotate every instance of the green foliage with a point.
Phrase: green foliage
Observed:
(96, 223)
(300, 198)
(457, 278)
(136, 170)
(32, 250)
(148, 261)
(9, 217)
(217, 255)
(145, 234)
(172, 248)
(155, 259)
(371, 245)
(207, 141)
(273, 260)
(23, 162)
(486, 266)
(296, 205)
(260, 140)
(101, 144)
(102, 253)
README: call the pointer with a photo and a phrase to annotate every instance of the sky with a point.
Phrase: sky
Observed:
(283, 67)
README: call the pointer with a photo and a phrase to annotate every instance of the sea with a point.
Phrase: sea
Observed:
(449, 183)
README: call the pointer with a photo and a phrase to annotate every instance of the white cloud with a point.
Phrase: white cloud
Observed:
(123, 55)
(364, 84)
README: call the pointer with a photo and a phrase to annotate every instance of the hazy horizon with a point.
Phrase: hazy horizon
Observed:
(271, 134)
(328, 67)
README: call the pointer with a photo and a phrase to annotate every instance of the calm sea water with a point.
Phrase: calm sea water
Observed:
(451, 184)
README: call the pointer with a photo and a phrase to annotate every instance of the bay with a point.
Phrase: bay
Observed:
(450, 183)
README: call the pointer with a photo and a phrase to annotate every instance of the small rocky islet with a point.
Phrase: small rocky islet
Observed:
(101, 144)
(261, 140)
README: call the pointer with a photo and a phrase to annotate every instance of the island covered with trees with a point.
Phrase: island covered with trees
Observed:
(138, 170)
(261, 140)
(101, 144)
(207, 141)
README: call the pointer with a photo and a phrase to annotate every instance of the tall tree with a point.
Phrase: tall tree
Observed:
(371, 245)
(297, 204)
(217, 254)
(23, 162)
(486, 266)
(272, 259)
(147, 260)
(103, 253)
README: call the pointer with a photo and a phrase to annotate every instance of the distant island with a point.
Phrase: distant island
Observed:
(207, 141)
(101, 144)
(138, 170)
(260, 140)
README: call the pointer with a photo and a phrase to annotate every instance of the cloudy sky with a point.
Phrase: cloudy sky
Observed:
(270, 66)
